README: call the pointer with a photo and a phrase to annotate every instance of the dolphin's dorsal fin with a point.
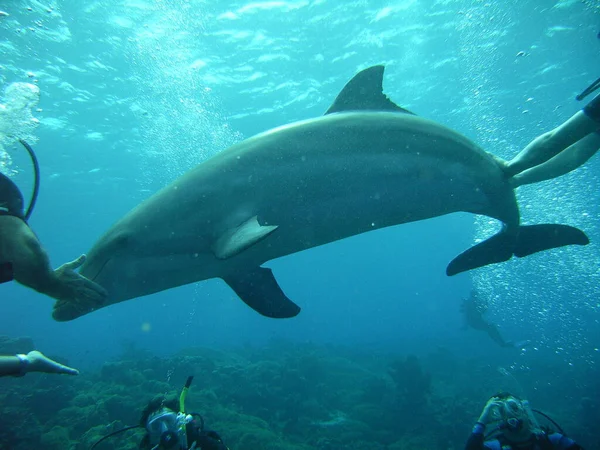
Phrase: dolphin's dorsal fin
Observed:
(365, 92)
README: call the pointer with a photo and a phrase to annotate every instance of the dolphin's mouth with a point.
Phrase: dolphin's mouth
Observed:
(87, 268)
(101, 269)
(64, 311)
(111, 248)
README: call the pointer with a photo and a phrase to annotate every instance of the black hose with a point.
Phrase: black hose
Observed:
(550, 419)
(113, 433)
(591, 88)
(36, 180)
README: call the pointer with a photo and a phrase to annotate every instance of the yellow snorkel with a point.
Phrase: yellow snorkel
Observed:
(183, 394)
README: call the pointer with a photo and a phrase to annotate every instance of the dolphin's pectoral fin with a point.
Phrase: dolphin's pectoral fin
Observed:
(260, 291)
(365, 92)
(535, 238)
(498, 248)
(238, 239)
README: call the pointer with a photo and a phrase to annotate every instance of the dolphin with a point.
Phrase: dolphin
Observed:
(366, 164)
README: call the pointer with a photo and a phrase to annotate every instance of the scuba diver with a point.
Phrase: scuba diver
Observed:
(562, 149)
(169, 427)
(22, 257)
(473, 309)
(518, 428)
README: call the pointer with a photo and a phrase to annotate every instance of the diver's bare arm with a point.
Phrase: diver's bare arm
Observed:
(566, 161)
(31, 265)
(549, 144)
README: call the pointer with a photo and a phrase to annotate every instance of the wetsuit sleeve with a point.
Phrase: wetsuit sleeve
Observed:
(592, 109)
(475, 441)
(561, 442)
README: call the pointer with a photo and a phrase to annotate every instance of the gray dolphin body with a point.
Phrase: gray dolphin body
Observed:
(366, 164)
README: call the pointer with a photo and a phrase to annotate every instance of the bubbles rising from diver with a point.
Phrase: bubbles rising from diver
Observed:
(16, 117)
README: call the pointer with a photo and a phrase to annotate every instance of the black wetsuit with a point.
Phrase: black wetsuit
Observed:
(554, 441)
(11, 204)
(204, 439)
(196, 437)
(473, 309)
(209, 440)
(592, 109)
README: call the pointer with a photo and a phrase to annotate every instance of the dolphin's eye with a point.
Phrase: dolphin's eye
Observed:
(122, 240)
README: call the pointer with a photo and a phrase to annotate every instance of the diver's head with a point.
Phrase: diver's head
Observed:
(517, 422)
(166, 428)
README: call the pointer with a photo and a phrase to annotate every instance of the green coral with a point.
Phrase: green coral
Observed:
(287, 397)
(57, 438)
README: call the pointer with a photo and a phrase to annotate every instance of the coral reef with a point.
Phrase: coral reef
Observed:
(284, 397)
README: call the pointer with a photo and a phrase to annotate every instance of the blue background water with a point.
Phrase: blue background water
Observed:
(134, 93)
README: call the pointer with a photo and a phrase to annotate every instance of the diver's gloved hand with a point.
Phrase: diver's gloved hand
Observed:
(489, 413)
(35, 361)
(74, 287)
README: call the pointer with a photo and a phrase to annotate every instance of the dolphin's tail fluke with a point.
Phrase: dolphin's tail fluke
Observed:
(535, 238)
(498, 248)
(502, 246)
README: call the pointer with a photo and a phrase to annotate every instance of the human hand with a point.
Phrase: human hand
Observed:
(38, 362)
(490, 411)
(75, 288)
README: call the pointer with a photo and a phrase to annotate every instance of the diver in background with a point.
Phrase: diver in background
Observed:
(518, 428)
(169, 427)
(562, 149)
(33, 361)
(473, 309)
(23, 258)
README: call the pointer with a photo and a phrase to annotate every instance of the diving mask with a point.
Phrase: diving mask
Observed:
(516, 415)
(167, 430)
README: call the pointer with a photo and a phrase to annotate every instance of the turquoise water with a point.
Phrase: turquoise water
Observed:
(134, 93)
